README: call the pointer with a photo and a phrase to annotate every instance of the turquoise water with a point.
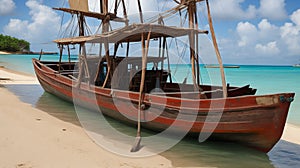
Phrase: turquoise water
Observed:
(189, 153)
(23, 63)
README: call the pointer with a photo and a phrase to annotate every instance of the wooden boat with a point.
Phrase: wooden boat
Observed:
(147, 97)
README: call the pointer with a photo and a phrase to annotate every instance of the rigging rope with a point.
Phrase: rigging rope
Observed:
(166, 13)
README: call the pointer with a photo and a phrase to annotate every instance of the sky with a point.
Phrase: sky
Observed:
(265, 32)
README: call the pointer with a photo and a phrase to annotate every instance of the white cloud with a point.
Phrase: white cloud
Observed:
(231, 9)
(247, 33)
(273, 9)
(265, 25)
(264, 39)
(290, 33)
(250, 34)
(17, 28)
(6, 7)
(267, 31)
(291, 29)
(42, 28)
(236, 9)
(295, 17)
(268, 49)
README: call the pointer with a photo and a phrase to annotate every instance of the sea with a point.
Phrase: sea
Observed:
(189, 153)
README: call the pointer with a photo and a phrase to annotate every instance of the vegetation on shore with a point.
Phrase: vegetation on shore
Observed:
(12, 44)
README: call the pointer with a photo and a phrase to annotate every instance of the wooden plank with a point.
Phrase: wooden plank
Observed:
(100, 16)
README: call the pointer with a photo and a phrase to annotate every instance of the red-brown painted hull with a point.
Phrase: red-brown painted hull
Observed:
(255, 121)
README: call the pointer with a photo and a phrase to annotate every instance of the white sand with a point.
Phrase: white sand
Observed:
(291, 133)
(10, 77)
(4, 53)
(32, 138)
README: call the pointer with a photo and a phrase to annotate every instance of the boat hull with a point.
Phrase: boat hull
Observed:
(254, 121)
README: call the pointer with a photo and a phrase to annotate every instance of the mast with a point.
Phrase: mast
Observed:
(83, 67)
(217, 51)
(105, 28)
(191, 14)
(81, 9)
(81, 24)
(140, 11)
(197, 49)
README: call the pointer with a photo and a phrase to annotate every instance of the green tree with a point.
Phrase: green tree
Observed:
(12, 44)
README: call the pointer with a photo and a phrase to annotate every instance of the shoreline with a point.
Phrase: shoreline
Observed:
(53, 142)
(33, 138)
(10, 71)
(28, 53)
(13, 77)
(4, 53)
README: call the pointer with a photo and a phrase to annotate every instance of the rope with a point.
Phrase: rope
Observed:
(166, 14)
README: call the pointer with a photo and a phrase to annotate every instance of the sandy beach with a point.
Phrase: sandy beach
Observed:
(33, 138)
(4, 53)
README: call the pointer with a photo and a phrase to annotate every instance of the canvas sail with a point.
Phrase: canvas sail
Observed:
(81, 5)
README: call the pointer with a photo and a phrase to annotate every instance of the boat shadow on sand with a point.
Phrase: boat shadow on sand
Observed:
(187, 153)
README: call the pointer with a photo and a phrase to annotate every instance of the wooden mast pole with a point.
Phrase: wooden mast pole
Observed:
(81, 57)
(163, 51)
(101, 6)
(81, 24)
(99, 64)
(105, 28)
(136, 145)
(60, 56)
(217, 51)
(69, 56)
(197, 48)
(125, 12)
(140, 11)
(126, 24)
(191, 12)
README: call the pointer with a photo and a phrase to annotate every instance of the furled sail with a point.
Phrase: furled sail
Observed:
(81, 5)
